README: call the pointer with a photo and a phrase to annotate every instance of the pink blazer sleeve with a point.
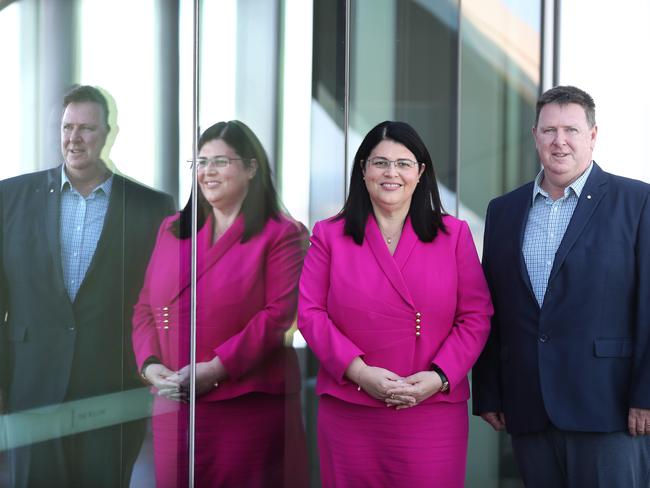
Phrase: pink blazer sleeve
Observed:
(334, 350)
(265, 330)
(461, 348)
(145, 335)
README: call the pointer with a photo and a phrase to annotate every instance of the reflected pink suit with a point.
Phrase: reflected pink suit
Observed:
(361, 301)
(248, 429)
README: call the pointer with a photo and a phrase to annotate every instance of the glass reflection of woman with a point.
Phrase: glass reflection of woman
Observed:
(394, 304)
(249, 257)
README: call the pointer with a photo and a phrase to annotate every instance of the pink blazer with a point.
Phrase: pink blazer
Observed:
(246, 300)
(361, 301)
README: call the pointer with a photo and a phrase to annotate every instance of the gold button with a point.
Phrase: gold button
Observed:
(417, 327)
(417, 334)
(417, 321)
(418, 315)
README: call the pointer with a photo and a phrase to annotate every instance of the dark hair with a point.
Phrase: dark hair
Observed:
(87, 93)
(261, 202)
(425, 210)
(563, 95)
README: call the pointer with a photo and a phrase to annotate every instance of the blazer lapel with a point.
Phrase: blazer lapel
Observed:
(405, 245)
(51, 194)
(386, 262)
(592, 193)
(112, 230)
(207, 253)
(521, 210)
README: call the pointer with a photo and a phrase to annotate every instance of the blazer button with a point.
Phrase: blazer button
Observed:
(417, 334)
(417, 321)
(418, 315)
(544, 338)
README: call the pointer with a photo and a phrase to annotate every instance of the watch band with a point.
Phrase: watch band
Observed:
(443, 377)
(147, 362)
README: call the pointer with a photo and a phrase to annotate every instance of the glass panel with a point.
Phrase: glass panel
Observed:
(249, 429)
(500, 77)
(76, 239)
(327, 185)
(403, 68)
(500, 69)
(69, 380)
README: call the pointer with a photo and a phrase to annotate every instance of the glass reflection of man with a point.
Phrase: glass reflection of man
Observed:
(74, 241)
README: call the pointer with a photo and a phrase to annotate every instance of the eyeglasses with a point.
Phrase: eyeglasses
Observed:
(217, 161)
(400, 164)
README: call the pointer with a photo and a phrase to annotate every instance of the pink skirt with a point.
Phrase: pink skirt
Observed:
(253, 441)
(423, 446)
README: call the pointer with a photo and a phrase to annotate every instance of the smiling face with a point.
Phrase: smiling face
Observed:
(224, 188)
(565, 144)
(391, 189)
(83, 135)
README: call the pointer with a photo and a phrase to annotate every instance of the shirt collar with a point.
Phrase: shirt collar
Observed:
(106, 186)
(576, 186)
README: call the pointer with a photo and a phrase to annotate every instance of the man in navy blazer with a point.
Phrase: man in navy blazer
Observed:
(567, 366)
(74, 244)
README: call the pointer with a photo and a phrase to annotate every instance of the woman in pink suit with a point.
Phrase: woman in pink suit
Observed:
(249, 257)
(394, 304)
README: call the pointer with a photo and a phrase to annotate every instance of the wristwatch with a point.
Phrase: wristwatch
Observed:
(147, 362)
(443, 377)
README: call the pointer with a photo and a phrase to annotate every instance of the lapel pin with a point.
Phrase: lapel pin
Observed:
(51, 190)
(588, 197)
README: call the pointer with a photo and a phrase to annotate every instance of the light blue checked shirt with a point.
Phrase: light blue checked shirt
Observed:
(80, 226)
(547, 223)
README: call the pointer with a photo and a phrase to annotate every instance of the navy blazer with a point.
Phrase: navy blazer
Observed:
(52, 349)
(582, 359)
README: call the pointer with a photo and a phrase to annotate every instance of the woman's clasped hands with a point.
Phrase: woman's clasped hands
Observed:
(413, 390)
(175, 385)
(391, 388)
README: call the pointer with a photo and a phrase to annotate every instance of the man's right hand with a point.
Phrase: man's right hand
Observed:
(496, 419)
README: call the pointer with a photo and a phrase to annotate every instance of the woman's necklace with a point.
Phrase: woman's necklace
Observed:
(389, 238)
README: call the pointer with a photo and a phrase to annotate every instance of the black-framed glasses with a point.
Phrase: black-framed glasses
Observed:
(400, 164)
(216, 161)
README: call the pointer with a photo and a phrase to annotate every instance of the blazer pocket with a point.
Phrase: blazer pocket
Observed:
(17, 333)
(613, 348)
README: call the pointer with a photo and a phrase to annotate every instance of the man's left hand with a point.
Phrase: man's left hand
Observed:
(638, 421)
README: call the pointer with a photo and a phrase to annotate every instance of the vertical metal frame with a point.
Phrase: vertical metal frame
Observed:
(346, 98)
(195, 144)
(459, 51)
(550, 45)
